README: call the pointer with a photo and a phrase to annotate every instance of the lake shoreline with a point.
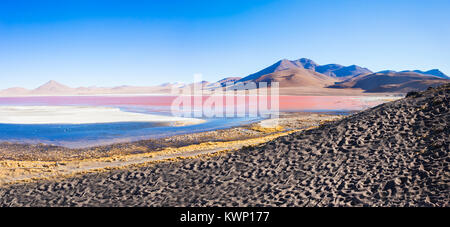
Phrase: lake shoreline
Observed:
(22, 162)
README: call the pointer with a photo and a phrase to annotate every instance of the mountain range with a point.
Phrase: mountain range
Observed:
(330, 70)
(396, 82)
(294, 76)
(305, 73)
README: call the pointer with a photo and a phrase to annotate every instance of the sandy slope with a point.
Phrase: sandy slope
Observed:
(396, 154)
(297, 78)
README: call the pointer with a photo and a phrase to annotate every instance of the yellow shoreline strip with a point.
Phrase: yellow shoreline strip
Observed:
(25, 171)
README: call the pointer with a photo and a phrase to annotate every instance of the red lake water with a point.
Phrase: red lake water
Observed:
(86, 135)
(286, 103)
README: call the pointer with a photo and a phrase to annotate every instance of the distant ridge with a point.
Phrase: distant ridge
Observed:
(433, 72)
(51, 87)
(302, 76)
(15, 90)
(342, 71)
(307, 63)
(226, 80)
(307, 73)
(388, 81)
(54, 88)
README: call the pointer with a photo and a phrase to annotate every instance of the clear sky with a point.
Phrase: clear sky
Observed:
(109, 43)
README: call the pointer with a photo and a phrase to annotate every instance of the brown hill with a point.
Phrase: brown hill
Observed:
(299, 73)
(392, 82)
(297, 77)
(280, 66)
(15, 90)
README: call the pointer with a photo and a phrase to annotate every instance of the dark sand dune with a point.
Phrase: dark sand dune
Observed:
(396, 154)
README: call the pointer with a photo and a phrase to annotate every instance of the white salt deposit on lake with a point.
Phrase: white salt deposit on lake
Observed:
(82, 115)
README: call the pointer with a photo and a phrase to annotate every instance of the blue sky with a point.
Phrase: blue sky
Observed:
(110, 43)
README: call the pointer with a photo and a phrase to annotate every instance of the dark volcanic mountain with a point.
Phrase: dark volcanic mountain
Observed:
(392, 82)
(333, 70)
(307, 63)
(433, 72)
(342, 71)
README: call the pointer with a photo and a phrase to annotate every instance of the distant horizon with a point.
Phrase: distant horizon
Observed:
(191, 81)
(185, 82)
(109, 44)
